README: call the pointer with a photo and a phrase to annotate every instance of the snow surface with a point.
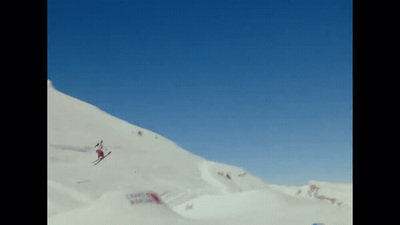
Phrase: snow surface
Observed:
(192, 190)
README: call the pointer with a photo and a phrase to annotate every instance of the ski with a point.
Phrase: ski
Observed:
(96, 160)
(99, 160)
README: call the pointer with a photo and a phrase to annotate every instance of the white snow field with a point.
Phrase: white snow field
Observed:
(148, 179)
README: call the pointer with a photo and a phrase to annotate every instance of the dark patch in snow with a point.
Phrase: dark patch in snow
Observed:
(82, 181)
(72, 148)
(188, 206)
(313, 192)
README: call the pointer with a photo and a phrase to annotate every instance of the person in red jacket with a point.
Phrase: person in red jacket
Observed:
(99, 149)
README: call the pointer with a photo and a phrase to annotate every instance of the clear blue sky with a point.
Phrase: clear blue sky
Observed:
(263, 85)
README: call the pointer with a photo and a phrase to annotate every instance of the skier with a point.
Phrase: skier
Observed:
(100, 154)
(99, 149)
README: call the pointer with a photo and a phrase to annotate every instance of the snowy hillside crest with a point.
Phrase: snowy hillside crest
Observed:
(148, 179)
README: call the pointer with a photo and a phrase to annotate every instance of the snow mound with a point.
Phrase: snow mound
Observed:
(263, 206)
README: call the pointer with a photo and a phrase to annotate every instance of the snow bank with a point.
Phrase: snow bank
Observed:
(264, 206)
(114, 208)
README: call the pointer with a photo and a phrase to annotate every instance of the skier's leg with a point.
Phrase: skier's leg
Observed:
(99, 153)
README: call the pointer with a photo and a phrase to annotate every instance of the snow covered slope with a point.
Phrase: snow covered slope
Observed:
(148, 179)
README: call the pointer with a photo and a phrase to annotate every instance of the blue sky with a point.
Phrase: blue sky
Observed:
(263, 85)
